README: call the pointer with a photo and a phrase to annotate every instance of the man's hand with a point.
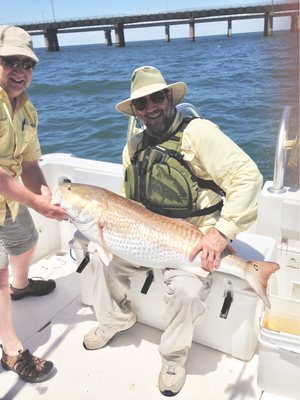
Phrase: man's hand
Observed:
(42, 204)
(211, 247)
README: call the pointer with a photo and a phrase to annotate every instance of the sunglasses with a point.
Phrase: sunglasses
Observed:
(156, 98)
(12, 62)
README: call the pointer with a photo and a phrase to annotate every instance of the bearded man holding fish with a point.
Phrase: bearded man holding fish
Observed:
(182, 168)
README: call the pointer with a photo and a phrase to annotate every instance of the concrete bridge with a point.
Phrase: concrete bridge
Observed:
(119, 24)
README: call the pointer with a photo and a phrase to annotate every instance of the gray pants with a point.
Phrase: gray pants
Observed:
(16, 237)
(184, 297)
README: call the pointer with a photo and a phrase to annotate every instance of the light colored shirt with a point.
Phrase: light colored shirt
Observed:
(18, 142)
(214, 156)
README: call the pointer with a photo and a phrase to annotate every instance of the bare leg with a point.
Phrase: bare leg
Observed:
(20, 268)
(8, 336)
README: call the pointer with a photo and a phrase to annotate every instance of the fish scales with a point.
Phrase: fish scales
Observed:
(130, 227)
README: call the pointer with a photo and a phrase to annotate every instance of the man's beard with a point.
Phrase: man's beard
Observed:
(159, 129)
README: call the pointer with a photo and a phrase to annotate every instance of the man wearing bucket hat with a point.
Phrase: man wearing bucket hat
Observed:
(182, 168)
(19, 154)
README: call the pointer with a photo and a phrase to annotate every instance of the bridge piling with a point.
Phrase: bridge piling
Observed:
(229, 28)
(167, 33)
(119, 34)
(268, 25)
(294, 23)
(107, 34)
(192, 29)
(51, 41)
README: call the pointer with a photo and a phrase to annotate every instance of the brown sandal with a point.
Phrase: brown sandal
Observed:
(27, 366)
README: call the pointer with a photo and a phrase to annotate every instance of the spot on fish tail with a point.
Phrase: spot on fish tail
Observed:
(256, 267)
(262, 270)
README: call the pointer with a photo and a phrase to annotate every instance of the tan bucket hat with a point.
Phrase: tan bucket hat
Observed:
(146, 80)
(15, 41)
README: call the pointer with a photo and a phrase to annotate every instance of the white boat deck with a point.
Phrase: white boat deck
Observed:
(53, 327)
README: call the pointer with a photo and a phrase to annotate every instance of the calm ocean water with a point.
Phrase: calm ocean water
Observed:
(241, 83)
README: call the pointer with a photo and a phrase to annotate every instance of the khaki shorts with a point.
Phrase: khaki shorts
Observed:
(16, 237)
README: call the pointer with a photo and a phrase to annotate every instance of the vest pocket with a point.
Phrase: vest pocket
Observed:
(131, 183)
(167, 188)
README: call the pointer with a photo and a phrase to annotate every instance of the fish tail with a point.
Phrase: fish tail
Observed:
(262, 270)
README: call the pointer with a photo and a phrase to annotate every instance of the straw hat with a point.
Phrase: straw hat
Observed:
(146, 80)
(15, 41)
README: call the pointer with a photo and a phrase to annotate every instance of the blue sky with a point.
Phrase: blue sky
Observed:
(25, 11)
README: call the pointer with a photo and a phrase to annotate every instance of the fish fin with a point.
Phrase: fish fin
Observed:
(260, 274)
(230, 249)
(137, 204)
(197, 270)
(104, 254)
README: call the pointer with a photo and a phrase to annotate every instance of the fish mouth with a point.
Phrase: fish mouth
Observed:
(56, 194)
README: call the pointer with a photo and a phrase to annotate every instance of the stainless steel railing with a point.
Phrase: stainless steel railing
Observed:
(281, 152)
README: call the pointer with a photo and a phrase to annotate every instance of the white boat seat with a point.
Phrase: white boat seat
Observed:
(240, 328)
